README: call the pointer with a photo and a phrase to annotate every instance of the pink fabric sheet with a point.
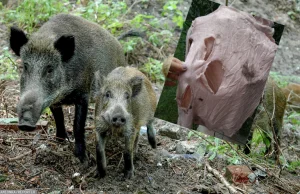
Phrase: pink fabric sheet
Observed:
(229, 54)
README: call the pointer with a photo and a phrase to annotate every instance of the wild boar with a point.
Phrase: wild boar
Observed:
(59, 61)
(269, 119)
(125, 103)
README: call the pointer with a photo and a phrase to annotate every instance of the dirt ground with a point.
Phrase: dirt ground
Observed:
(49, 166)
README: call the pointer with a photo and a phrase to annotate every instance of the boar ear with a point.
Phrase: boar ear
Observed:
(17, 39)
(136, 85)
(99, 81)
(66, 46)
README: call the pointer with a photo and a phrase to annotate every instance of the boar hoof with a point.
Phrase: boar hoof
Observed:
(62, 137)
(26, 127)
(100, 175)
(128, 174)
(80, 152)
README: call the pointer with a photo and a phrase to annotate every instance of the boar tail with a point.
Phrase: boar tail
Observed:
(132, 33)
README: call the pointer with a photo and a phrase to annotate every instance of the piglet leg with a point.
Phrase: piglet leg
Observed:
(100, 154)
(128, 154)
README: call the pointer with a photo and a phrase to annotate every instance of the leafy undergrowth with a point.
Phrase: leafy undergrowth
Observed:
(50, 165)
(158, 32)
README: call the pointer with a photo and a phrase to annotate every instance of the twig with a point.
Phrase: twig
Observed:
(221, 178)
(204, 173)
(120, 161)
(280, 187)
(89, 173)
(272, 126)
(80, 189)
(30, 138)
(56, 153)
(293, 106)
(114, 155)
(23, 145)
(241, 190)
(232, 3)
(129, 9)
(20, 156)
(155, 48)
(226, 2)
(289, 96)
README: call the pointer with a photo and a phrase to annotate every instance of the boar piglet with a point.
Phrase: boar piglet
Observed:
(126, 102)
(59, 61)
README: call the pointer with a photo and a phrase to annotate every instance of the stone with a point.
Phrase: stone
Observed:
(238, 174)
(187, 147)
(173, 131)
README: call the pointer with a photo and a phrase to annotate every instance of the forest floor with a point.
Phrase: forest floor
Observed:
(37, 161)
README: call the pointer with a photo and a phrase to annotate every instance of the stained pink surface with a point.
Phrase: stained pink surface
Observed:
(229, 56)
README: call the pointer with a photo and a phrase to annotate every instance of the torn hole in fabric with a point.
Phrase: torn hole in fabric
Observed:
(209, 44)
(213, 76)
(189, 45)
(186, 99)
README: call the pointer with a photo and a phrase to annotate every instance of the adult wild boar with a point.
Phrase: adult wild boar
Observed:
(125, 103)
(59, 61)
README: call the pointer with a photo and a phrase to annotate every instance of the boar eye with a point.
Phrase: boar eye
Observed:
(25, 66)
(49, 70)
(108, 94)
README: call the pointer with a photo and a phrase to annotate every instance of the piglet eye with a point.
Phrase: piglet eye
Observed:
(108, 94)
(126, 95)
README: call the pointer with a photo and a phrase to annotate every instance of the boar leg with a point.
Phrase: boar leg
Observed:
(81, 108)
(151, 134)
(136, 141)
(128, 154)
(59, 122)
(100, 154)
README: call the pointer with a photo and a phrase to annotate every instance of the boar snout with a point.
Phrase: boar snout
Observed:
(26, 123)
(29, 111)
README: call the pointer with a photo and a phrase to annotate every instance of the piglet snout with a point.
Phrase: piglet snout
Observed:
(118, 120)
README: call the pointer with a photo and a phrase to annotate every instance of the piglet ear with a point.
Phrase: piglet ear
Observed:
(136, 85)
(66, 46)
(17, 39)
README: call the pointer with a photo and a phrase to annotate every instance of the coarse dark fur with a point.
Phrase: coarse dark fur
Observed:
(269, 117)
(59, 61)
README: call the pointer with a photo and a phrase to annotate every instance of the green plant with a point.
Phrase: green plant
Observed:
(282, 81)
(294, 119)
(216, 146)
(111, 15)
(8, 67)
(140, 20)
(160, 38)
(292, 14)
(32, 13)
(294, 165)
(107, 15)
(130, 44)
(153, 69)
(170, 9)
(258, 139)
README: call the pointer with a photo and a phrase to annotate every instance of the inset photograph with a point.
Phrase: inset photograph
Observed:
(227, 55)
